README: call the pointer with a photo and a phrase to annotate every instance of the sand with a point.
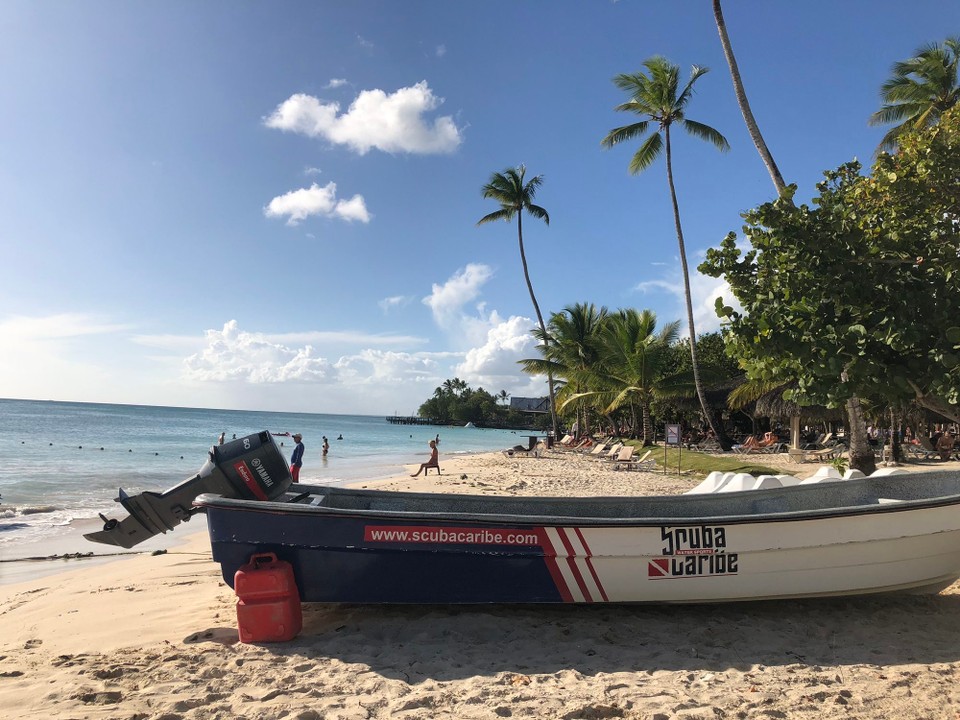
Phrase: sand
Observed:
(155, 637)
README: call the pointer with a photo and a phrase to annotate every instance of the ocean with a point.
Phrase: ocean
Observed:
(62, 463)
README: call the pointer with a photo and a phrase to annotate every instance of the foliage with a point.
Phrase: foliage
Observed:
(456, 402)
(863, 285)
(839, 463)
(919, 91)
(569, 348)
(616, 366)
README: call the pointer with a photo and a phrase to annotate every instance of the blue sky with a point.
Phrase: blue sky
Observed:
(273, 205)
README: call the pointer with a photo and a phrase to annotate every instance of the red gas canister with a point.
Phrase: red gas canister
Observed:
(268, 605)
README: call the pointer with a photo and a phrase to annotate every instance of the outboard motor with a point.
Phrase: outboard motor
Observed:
(251, 468)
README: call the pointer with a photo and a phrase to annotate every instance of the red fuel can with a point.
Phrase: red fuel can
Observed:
(268, 605)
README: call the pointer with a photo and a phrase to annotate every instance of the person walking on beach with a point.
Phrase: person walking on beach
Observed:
(433, 462)
(296, 460)
(326, 446)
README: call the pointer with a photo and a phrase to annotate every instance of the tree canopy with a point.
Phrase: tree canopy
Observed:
(920, 90)
(862, 286)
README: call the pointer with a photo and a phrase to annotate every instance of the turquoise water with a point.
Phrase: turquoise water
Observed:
(63, 462)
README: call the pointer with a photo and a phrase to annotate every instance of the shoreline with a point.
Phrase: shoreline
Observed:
(154, 636)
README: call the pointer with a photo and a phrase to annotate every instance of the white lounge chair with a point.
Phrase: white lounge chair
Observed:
(626, 461)
(738, 483)
(826, 473)
(710, 483)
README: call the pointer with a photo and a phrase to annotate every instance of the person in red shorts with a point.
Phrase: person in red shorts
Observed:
(296, 460)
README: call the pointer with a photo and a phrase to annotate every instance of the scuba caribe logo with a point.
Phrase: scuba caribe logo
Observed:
(697, 551)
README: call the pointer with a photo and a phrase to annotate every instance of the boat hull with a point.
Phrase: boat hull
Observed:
(365, 555)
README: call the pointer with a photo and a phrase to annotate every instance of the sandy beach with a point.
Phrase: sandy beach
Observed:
(154, 637)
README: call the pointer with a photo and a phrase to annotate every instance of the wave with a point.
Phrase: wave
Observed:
(38, 510)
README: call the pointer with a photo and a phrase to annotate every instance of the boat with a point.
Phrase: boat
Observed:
(898, 533)
(871, 535)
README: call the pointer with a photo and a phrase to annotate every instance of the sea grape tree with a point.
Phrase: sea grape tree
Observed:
(857, 294)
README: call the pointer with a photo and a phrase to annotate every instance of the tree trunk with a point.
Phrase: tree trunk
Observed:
(686, 292)
(860, 452)
(738, 90)
(896, 449)
(543, 327)
(647, 426)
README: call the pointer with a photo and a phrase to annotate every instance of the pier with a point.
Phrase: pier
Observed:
(409, 420)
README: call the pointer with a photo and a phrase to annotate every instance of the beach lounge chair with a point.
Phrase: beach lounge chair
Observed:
(822, 442)
(611, 453)
(597, 450)
(924, 450)
(532, 448)
(644, 462)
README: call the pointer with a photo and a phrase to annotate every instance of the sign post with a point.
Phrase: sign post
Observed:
(672, 437)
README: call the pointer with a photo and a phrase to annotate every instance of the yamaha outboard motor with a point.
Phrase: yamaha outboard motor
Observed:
(251, 468)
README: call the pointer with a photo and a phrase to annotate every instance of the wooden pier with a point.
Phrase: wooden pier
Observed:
(409, 420)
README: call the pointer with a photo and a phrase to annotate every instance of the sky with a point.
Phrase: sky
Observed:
(274, 206)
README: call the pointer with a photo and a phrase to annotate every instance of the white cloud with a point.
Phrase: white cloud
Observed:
(233, 354)
(396, 301)
(353, 209)
(297, 205)
(312, 171)
(704, 291)
(20, 328)
(441, 50)
(335, 83)
(392, 123)
(378, 366)
(364, 43)
(446, 301)
(493, 365)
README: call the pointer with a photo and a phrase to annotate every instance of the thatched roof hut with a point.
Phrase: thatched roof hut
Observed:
(773, 405)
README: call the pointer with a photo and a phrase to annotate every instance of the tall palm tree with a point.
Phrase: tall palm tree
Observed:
(655, 97)
(920, 90)
(515, 195)
(741, 94)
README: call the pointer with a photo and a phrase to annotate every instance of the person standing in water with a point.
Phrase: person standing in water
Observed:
(326, 446)
(296, 460)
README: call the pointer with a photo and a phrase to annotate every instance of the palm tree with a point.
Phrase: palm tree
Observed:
(515, 195)
(569, 350)
(503, 396)
(635, 360)
(655, 97)
(920, 90)
(741, 94)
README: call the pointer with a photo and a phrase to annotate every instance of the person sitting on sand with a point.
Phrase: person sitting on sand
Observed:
(433, 462)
